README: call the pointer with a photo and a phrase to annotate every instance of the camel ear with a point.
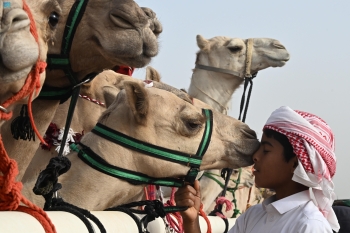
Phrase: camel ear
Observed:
(152, 74)
(138, 100)
(202, 43)
(109, 94)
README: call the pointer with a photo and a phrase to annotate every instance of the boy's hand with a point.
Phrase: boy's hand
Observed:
(191, 197)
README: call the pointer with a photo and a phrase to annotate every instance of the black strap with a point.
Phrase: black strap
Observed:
(243, 107)
(61, 61)
(74, 99)
(152, 210)
(82, 214)
(55, 93)
(135, 178)
(136, 141)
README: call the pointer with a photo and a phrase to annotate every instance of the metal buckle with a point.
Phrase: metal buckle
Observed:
(81, 83)
(4, 109)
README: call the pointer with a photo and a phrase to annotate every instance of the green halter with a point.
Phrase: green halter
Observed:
(193, 161)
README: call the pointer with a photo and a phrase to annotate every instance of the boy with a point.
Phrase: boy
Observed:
(296, 159)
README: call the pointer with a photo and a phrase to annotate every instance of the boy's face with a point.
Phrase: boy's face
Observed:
(271, 169)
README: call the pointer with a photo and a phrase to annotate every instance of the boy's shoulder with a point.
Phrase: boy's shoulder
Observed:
(310, 211)
(311, 219)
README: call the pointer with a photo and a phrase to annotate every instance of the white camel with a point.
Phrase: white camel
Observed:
(116, 33)
(160, 118)
(221, 65)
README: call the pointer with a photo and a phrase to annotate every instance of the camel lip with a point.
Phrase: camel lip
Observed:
(282, 60)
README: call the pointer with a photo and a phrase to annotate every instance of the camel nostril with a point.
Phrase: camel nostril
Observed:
(15, 20)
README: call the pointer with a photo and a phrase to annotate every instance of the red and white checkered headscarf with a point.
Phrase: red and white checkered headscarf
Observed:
(313, 143)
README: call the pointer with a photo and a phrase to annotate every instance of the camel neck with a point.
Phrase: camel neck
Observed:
(213, 88)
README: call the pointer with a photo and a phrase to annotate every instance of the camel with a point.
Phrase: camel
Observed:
(103, 89)
(217, 87)
(116, 32)
(160, 118)
(21, 52)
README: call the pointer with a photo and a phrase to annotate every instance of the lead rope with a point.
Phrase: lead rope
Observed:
(248, 79)
(152, 210)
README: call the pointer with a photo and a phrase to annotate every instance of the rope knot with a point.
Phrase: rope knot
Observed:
(154, 210)
(10, 195)
(47, 180)
(11, 198)
(224, 200)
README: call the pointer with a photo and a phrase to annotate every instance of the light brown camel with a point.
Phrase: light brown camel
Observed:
(19, 49)
(103, 89)
(216, 87)
(161, 118)
(110, 33)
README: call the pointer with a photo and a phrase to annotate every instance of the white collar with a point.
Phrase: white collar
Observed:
(287, 203)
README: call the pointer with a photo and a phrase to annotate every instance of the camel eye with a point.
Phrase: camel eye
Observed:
(53, 19)
(193, 125)
(234, 49)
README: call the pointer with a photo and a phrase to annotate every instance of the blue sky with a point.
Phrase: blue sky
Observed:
(316, 79)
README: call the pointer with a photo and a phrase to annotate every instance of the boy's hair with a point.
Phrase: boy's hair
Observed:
(288, 149)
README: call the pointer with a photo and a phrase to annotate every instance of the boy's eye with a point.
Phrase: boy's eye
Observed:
(265, 151)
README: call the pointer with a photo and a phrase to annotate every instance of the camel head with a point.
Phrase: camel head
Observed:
(19, 49)
(110, 33)
(161, 118)
(230, 53)
(222, 63)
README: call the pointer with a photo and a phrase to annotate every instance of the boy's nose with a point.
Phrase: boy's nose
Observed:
(256, 155)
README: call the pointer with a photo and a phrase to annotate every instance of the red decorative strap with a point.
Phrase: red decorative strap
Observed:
(92, 100)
